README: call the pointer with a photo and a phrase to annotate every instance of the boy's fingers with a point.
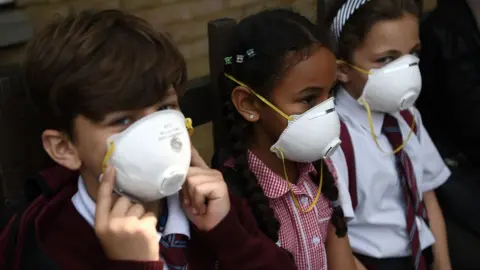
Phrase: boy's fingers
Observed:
(104, 197)
(184, 196)
(194, 171)
(136, 210)
(149, 219)
(120, 207)
(197, 160)
(199, 197)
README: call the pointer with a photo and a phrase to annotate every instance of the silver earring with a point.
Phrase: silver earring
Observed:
(252, 116)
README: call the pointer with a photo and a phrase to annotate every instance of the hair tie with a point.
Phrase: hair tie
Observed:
(251, 53)
(228, 60)
(240, 58)
(344, 14)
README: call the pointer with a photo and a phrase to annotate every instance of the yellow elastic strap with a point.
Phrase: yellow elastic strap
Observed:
(189, 125)
(355, 67)
(370, 122)
(259, 97)
(108, 155)
(295, 200)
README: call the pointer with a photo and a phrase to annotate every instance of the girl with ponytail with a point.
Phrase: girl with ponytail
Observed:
(387, 159)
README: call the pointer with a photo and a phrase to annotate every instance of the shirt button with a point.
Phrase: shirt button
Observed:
(316, 240)
(304, 200)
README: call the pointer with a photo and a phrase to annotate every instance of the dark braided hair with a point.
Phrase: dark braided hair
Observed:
(272, 34)
(330, 191)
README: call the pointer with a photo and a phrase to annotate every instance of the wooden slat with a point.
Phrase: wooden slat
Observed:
(219, 36)
(321, 10)
(196, 101)
(420, 6)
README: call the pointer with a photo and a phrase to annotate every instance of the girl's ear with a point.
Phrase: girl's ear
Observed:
(342, 72)
(245, 103)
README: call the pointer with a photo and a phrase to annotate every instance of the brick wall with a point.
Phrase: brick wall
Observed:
(186, 20)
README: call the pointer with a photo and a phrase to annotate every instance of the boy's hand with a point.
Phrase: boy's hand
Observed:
(125, 231)
(205, 195)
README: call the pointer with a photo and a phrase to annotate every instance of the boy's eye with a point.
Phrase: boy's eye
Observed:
(168, 107)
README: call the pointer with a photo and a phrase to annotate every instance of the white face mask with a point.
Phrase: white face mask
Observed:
(310, 136)
(151, 157)
(394, 87)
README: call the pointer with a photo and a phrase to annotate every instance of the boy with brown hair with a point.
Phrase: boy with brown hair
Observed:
(97, 78)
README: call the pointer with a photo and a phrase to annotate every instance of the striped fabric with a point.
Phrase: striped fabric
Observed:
(172, 246)
(344, 14)
(414, 205)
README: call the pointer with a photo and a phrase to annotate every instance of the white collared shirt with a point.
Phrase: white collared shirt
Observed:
(378, 226)
(177, 222)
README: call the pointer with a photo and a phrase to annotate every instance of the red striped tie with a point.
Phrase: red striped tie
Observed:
(172, 249)
(172, 246)
(414, 206)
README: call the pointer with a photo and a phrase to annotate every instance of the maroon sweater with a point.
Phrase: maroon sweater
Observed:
(51, 234)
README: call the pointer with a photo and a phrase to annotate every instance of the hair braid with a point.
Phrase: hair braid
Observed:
(251, 189)
(330, 191)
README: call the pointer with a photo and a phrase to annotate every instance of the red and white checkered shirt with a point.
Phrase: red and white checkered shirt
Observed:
(302, 234)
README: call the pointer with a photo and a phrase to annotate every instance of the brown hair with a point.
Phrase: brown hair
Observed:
(362, 20)
(98, 62)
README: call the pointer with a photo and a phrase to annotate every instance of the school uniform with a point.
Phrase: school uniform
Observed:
(377, 227)
(302, 234)
(55, 232)
(173, 226)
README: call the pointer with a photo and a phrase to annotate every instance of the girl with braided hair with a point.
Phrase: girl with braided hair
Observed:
(282, 124)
